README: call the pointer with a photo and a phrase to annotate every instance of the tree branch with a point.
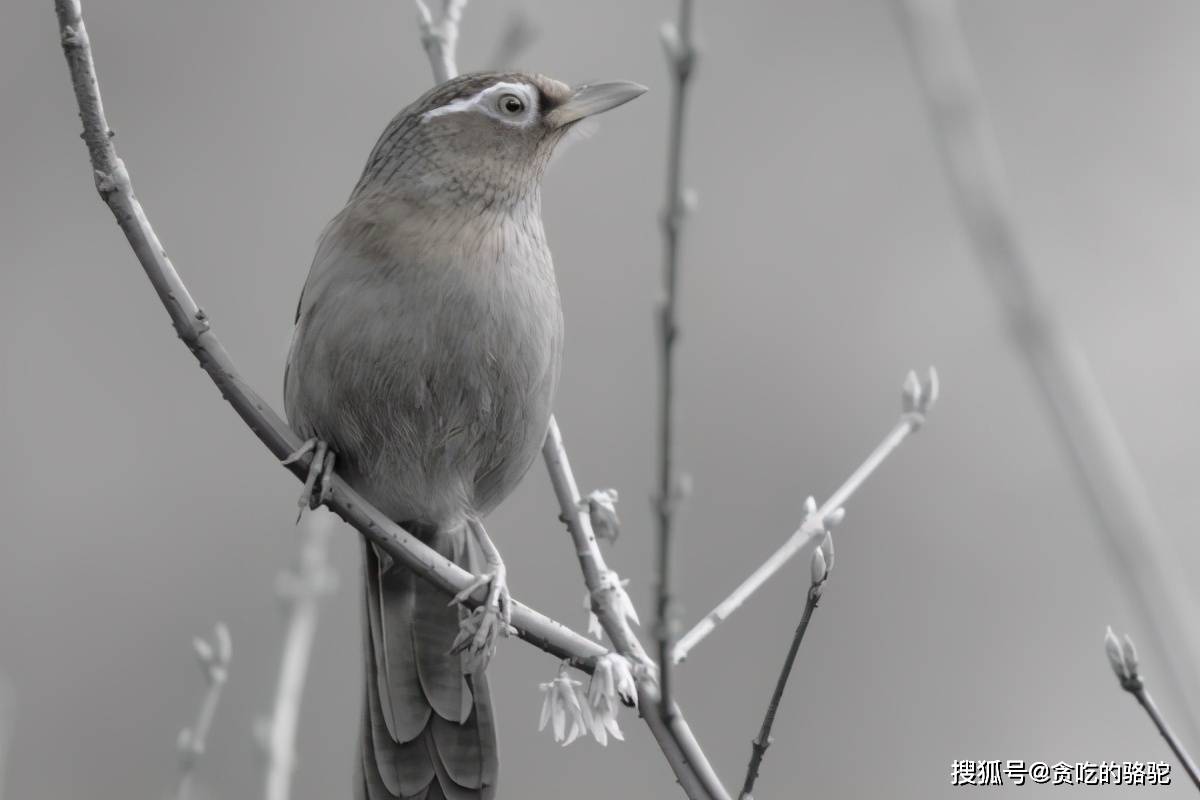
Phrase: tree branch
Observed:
(214, 660)
(1122, 657)
(670, 729)
(680, 50)
(193, 327)
(440, 38)
(918, 398)
(1140, 552)
(301, 590)
(821, 564)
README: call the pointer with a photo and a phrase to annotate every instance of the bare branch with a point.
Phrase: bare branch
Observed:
(918, 398)
(214, 659)
(193, 327)
(301, 590)
(440, 38)
(680, 748)
(1139, 549)
(1122, 657)
(680, 50)
(820, 573)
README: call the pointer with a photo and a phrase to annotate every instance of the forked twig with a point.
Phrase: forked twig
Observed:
(696, 776)
(918, 398)
(440, 38)
(1123, 659)
(214, 659)
(819, 573)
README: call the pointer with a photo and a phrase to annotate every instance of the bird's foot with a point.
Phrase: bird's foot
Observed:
(318, 485)
(479, 630)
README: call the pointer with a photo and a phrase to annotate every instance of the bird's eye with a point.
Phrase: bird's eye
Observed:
(511, 104)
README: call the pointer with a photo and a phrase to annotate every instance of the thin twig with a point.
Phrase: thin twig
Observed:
(1140, 552)
(918, 399)
(819, 574)
(440, 38)
(301, 590)
(214, 660)
(696, 776)
(193, 327)
(1123, 659)
(680, 50)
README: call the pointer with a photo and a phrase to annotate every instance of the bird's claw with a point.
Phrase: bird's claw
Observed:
(318, 485)
(479, 630)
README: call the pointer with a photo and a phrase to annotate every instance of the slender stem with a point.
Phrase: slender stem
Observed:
(214, 659)
(1156, 717)
(440, 38)
(1140, 552)
(303, 590)
(681, 56)
(763, 741)
(807, 535)
(670, 730)
(199, 736)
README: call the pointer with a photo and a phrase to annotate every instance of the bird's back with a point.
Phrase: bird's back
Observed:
(426, 353)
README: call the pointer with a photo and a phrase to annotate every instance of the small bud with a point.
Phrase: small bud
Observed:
(810, 506)
(827, 551)
(1116, 658)
(911, 393)
(669, 35)
(594, 628)
(1130, 656)
(931, 390)
(834, 518)
(204, 651)
(820, 571)
(602, 511)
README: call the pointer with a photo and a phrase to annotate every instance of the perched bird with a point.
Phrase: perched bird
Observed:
(422, 368)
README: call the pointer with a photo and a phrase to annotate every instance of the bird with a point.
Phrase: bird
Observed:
(422, 370)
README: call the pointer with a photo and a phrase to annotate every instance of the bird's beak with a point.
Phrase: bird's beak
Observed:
(593, 99)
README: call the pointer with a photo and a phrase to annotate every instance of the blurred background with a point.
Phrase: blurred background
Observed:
(966, 615)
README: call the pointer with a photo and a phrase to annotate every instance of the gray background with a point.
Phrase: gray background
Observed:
(966, 615)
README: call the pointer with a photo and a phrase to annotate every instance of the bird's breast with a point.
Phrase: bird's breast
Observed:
(429, 361)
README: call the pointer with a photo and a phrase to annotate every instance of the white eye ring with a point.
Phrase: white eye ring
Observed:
(510, 104)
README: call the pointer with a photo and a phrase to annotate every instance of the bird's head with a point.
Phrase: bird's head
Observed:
(483, 137)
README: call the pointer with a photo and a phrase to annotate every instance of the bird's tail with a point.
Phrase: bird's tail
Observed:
(427, 729)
